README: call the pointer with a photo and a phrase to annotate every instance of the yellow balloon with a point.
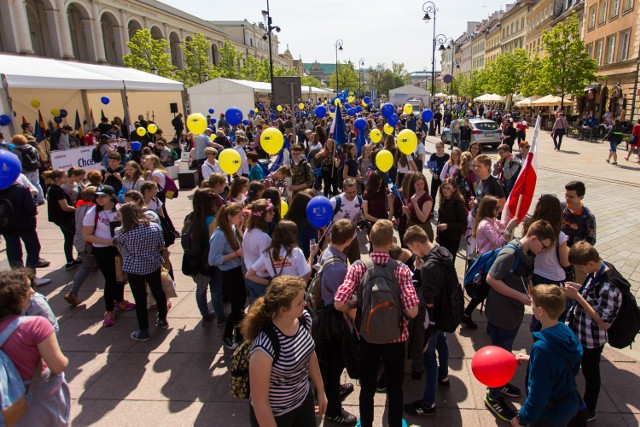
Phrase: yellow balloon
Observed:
(284, 208)
(279, 108)
(55, 112)
(375, 135)
(407, 141)
(213, 137)
(301, 106)
(351, 99)
(384, 160)
(337, 102)
(196, 123)
(272, 140)
(141, 131)
(35, 103)
(407, 109)
(364, 104)
(255, 110)
(229, 160)
(152, 128)
(388, 129)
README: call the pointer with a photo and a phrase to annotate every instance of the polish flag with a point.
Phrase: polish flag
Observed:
(522, 193)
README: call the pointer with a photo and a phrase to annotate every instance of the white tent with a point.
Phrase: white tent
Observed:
(402, 94)
(549, 101)
(527, 101)
(490, 97)
(79, 87)
(221, 93)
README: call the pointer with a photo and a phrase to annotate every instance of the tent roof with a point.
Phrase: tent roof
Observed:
(409, 89)
(30, 72)
(260, 87)
(548, 101)
(490, 97)
(527, 101)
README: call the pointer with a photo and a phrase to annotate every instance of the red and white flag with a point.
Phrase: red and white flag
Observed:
(522, 193)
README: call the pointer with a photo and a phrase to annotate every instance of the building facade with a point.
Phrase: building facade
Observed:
(512, 26)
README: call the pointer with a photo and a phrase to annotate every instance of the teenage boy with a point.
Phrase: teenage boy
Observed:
(278, 179)
(488, 185)
(437, 272)
(598, 302)
(392, 353)
(578, 222)
(348, 205)
(114, 174)
(507, 298)
(302, 177)
(552, 399)
(507, 168)
(334, 269)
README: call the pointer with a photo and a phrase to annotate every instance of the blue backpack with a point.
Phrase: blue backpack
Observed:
(13, 394)
(475, 279)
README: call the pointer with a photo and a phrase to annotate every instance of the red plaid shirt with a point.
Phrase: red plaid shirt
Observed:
(403, 278)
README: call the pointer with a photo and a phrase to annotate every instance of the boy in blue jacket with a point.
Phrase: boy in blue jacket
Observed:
(554, 362)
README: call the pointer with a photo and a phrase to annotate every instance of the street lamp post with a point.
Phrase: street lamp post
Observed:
(339, 43)
(360, 65)
(429, 8)
(454, 61)
(270, 27)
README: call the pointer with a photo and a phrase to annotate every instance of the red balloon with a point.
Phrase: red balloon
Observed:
(494, 366)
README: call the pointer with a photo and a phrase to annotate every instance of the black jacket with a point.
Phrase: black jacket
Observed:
(24, 208)
(440, 287)
(453, 213)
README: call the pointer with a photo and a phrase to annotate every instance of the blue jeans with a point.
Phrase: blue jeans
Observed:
(437, 342)
(502, 338)
(215, 287)
(454, 137)
(14, 248)
(87, 266)
(255, 290)
(464, 145)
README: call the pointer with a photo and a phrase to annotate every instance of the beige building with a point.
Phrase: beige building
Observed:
(610, 33)
(539, 20)
(477, 48)
(492, 43)
(512, 28)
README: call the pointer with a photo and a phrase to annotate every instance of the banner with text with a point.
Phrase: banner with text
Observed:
(77, 157)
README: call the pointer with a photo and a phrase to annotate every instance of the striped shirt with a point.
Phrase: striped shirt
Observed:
(289, 383)
(404, 279)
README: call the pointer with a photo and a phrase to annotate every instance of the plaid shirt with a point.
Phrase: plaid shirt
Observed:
(404, 278)
(606, 300)
(141, 249)
(301, 173)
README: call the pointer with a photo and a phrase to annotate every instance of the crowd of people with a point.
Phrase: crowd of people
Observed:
(249, 242)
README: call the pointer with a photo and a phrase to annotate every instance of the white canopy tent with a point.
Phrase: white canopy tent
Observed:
(527, 101)
(549, 101)
(402, 94)
(221, 93)
(490, 97)
(78, 88)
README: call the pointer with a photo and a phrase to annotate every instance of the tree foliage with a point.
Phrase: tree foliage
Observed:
(347, 77)
(148, 54)
(198, 67)
(382, 79)
(230, 64)
(567, 68)
(504, 75)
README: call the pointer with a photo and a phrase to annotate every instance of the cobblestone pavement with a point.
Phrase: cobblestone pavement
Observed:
(178, 378)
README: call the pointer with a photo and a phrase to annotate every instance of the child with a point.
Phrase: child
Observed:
(598, 302)
(507, 298)
(114, 174)
(554, 362)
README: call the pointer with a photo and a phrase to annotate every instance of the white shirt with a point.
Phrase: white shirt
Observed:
(207, 169)
(448, 171)
(63, 142)
(162, 179)
(102, 228)
(407, 168)
(547, 263)
(24, 181)
(293, 265)
(155, 205)
(254, 243)
(420, 150)
(244, 166)
(351, 210)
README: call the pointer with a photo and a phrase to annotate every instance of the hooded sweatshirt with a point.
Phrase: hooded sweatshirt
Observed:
(441, 288)
(553, 365)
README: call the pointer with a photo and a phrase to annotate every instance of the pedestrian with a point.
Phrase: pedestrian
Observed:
(634, 142)
(614, 136)
(225, 252)
(114, 173)
(521, 129)
(30, 161)
(452, 217)
(507, 168)
(451, 166)
(509, 134)
(330, 164)
(256, 241)
(238, 190)
(74, 184)
(465, 179)
(488, 185)
(454, 133)
(132, 177)
(435, 165)
(348, 205)
(465, 135)
(256, 173)
(419, 207)
(307, 233)
(141, 243)
(61, 212)
(280, 389)
(437, 121)
(377, 201)
(558, 130)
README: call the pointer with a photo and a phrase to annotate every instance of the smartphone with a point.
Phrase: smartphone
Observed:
(312, 243)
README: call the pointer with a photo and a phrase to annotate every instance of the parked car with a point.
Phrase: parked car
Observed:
(483, 131)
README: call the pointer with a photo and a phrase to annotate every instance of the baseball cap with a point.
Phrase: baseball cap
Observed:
(105, 190)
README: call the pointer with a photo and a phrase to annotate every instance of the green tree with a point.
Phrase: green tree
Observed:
(567, 68)
(148, 54)
(254, 69)
(400, 74)
(531, 79)
(310, 81)
(472, 84)
(230, 63)
(504, 75)
(198, 67)
(347, 77)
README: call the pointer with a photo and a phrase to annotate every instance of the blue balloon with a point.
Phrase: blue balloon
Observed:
(211, 111)
(213, 121)
(245, 122)
(392, 120)
(63, 113)
(321, 111)
(251, 113)
(346, 106)
(57, 119)
(211, 128)
(136, 146)
(105, 100)
(319, 211)
(367, 100)
(234, 116)
(10, 168)
(5, 119)
(359, 108)
(332, 110)
(387, 110)
(273, 116)
(427, 115)
(261, 105)
(375, 116)
(351, 111)
(360, 123)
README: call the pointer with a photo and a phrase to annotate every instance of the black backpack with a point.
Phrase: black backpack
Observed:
(95, 155)
(7, 213)
(448, 309)
(196, 253)
(622, 332)
(29, 158)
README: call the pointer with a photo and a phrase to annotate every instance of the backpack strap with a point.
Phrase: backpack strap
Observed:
(338, 204)
(15, 323)
(271, 333)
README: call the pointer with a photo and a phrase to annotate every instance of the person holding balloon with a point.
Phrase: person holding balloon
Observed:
(436, 164)
(419, 205)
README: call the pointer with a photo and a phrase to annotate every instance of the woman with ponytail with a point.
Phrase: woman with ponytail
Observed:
(280, 391)
(225, 252)
(256, 240)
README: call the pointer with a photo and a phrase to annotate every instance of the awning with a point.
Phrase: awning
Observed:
(490, 97)
(550, 100)
(526, 102)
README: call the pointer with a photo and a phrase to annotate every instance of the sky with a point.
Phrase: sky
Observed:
(374, 30)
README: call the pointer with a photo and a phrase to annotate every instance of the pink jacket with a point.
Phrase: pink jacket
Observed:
(489, 235)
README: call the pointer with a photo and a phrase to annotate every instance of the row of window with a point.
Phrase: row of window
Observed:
(607, 8)
(541, 16)
(535, 45)
(605, 51)
(513, 28)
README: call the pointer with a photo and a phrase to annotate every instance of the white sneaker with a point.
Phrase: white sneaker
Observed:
(41, 281)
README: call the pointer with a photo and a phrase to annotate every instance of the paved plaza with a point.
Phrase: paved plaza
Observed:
(179, 377)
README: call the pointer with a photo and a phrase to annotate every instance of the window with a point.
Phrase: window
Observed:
(590, 50)
(611, 46)
(623, 53)
(592, 17)
(602, 12)
(627, 5)
(615, 8)
(598, 57)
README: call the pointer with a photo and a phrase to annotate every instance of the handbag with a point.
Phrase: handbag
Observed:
(168, 284)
